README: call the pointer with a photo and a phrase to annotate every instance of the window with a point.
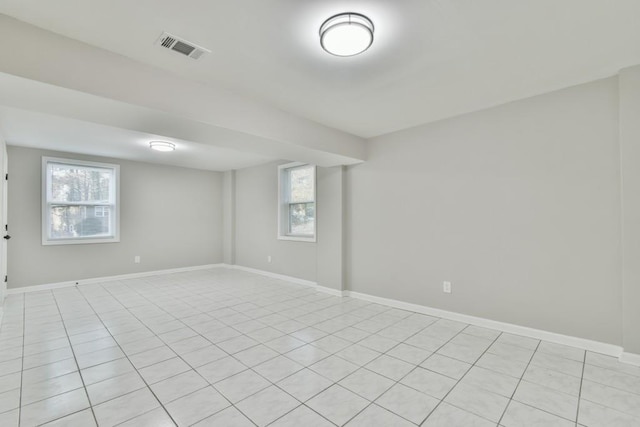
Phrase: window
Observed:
(297, 202)
(80, 202)
(101, 211)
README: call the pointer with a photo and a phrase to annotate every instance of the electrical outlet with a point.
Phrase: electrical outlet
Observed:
(446, 287)
(269, 258)
(136, 259)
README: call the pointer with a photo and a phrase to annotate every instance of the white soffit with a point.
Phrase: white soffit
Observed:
(431, 59)
(18, 93)
(52, 74)
(49, 132)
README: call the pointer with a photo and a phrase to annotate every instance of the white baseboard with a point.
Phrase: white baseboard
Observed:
(94, 280)
(304, 282)
(273, 275)
(330, 291)
(595, 346)
(630, 358)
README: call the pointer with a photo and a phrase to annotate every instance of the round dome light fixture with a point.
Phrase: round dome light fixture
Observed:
(162, 146)
(346, 34)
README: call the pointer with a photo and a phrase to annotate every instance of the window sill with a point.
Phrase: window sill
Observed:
(298, 239)
(80, 241)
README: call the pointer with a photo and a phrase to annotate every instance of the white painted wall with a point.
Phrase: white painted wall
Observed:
(518, 206)
(170, 216)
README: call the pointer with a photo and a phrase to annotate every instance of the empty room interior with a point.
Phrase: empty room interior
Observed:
(320, 213)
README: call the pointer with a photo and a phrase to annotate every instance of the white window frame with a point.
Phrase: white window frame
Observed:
(115, 205)
(104, 213)
(283, 204)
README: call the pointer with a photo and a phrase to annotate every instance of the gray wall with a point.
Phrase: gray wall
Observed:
(518, 206)
(4, 243)
(255, 208)
(256, 227)
(630, 165)
(170, 216)
(330, 211)
(228, 217)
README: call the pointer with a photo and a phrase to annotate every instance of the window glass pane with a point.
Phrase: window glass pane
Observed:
(70, 183)
(302, 218)
(301, 182)
(101, 211)
(78, 221)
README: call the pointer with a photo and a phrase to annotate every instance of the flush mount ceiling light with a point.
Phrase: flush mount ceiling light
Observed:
(162, 146)
(346, 34)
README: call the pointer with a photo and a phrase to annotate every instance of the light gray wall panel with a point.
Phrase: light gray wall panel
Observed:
(257, 227)
(170, 216)
(518, 206)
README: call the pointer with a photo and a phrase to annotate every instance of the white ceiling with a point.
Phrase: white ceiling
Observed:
(62, 118)
(431, 59)
(37, 130)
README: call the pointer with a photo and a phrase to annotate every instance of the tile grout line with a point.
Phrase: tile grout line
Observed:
(24, 309)
(259, 343)
(273, 301)
(385, 354)
(463, 375)
(584, 365)
(169, 346)
(351, 343)
(306, 367)
(544, 386)
(359, 367)
(279, 355)
(519, 381)
(86, 392)
(412, 370)
(248, 368)
(612, 386)
(418, 366)
(467, 371)
(177, 355)
(338, 356)
(125, 308)
(127, 357)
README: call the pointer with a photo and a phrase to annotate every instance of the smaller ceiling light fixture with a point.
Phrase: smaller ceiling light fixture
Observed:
(162, 146)
(346, 34)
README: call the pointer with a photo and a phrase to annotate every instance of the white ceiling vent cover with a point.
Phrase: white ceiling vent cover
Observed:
(182, 46)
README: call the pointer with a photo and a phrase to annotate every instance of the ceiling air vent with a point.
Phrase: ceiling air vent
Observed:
(176, 44)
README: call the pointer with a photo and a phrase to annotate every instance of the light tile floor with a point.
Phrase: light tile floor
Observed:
(227, 348)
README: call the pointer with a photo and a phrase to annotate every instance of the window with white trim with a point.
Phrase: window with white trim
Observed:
(297, 202)
(80, 202)
(101, 211)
